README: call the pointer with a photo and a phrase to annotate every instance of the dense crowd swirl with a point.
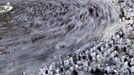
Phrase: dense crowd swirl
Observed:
(114, 56)
(67, 37)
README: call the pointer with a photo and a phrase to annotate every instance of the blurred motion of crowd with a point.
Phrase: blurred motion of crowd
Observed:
(113, 56)
(32, 31)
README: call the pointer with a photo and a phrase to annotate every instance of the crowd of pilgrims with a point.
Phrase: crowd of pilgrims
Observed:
(114, 56)
(111, 57)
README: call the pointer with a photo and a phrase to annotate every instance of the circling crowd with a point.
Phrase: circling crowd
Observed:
(114, 56)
